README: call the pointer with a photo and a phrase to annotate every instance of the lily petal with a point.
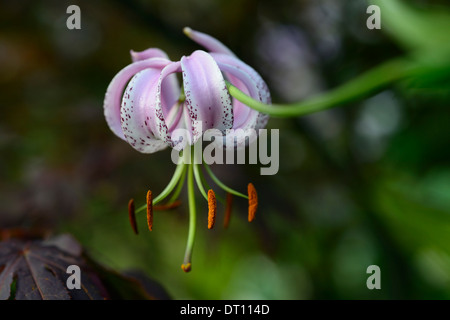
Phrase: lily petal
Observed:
(250, 82)
(137, 111)
(263, 94)
(245, 78)
(207, 97)
(147, 54)
(163, 129)
(205, 40)
(116, 87)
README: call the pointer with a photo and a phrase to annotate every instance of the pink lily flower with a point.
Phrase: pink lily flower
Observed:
(144, 104)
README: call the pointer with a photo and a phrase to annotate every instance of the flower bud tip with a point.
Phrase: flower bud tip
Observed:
(187, 31)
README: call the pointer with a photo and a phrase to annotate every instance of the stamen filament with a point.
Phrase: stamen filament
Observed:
(206, 184)
(223, 186)
(180, 185)
(169, 206)
(141, 208)
(186, 266)
(199, 182)
(172, 184)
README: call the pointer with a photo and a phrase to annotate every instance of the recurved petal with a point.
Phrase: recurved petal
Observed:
(137, 111)
(247, 80)
(147, 54)
(151, 108)
(263, 94)
(116, 87)
(207, 97)
(244, 117)
(165, 108)
(205, 40)
(250, 82)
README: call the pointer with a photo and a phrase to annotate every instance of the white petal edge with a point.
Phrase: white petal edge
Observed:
(114, 92)
(207, 98)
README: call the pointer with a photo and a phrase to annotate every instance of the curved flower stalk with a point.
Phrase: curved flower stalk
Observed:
(146, 106)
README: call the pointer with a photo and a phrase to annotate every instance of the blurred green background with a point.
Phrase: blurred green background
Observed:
(368, 183)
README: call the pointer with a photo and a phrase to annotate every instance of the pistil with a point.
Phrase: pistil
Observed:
(186, 266)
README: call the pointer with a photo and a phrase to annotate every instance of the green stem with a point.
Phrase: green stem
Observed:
(220, 184)
(205, 183)
(361, 86)
(192, 219)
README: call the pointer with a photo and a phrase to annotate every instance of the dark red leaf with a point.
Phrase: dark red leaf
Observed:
(37, 270)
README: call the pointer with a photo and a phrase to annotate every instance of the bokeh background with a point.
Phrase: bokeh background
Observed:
(366, 183)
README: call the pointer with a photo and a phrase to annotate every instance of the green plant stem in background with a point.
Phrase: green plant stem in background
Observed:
(361, 86)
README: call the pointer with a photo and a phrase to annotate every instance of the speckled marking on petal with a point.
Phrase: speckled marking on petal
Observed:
(143, 139)
(162, 128)
(262, 94)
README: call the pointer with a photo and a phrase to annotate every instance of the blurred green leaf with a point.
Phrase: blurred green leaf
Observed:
(425, 31)
(412, 219)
